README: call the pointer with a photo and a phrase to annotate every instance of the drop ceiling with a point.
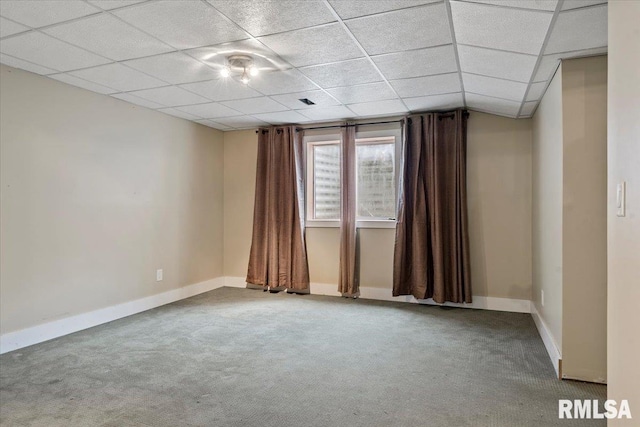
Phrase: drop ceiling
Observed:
(353, 58)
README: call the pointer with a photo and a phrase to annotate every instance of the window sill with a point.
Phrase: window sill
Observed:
(322, 224)
(382, 223)
(379, 223)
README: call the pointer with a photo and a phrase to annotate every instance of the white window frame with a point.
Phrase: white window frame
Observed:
(379, 135)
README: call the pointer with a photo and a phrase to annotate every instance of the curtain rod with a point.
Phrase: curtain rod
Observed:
(346, 126)
(298, 129)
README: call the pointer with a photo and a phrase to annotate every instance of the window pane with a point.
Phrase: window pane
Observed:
(376, 180)
(326, 181)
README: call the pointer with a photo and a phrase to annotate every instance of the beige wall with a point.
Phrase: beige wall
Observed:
(240, 156)
(547, 208)
(569, 216)
(584, 220)
(499, 168)
(376, 256)
(323, 248)
(624, 232)
(96, 195)
(499, 202)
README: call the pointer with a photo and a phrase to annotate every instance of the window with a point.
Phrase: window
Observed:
(326, 180)
(376, 179)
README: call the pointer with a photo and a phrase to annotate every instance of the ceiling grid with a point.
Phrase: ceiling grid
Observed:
(353, 58)
(535, 68)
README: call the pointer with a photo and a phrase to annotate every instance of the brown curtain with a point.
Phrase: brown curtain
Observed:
(431, 258)
(348, 280)
(278, 256)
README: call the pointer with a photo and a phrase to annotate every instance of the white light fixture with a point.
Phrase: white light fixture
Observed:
(242, 65)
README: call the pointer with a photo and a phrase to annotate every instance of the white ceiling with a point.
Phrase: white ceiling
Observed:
(353, 58)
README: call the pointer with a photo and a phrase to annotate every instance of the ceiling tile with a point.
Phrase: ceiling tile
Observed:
(490, 86)
(49, 52)
(579, 29)
(118, 77)
(536, 91)
(214, 125)
(404, 29)
(292, 100)
(255, 105)
(177, 113)
(328, 113)
(311, 46)
(492, 105)
(548, 5)
(108, 36)
(24, 65)
(182, 24)
(40, 13)
(242, 122)
(574, 4)
(496, 63)
(416, 63)
(355, 8)
(8, 28)
(210, 110)
(175, 68)
(75, 81)
(549, 63)
(136, 100)
(435, 102)
(221, 89)
(378, 108)
(509, 29)
(430, 85)
(281, 117)
(170, 96)
(420, 64)
(264, 17)
(278, 82)
(351, 72)
(363, 93)
(113, 4)
(528, 109)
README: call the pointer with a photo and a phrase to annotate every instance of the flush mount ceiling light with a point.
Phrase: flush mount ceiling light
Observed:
(245, 57)
(240, 65)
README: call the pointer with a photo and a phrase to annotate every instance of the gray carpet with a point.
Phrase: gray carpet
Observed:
(237, 357)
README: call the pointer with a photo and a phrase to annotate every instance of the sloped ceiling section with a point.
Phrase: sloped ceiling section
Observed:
(353, 58)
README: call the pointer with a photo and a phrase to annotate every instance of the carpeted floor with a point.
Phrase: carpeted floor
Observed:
(237, 357)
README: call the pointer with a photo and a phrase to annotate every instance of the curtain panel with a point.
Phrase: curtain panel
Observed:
(348, 283)
(431, 254)
(278, 255)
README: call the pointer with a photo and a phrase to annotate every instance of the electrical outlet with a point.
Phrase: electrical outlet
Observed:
(542, 297)
(159, 275)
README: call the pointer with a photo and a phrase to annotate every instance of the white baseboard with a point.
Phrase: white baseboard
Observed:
(235, 282)
(549, 343)
(57, 328)
(586, 375)
(381, 294)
